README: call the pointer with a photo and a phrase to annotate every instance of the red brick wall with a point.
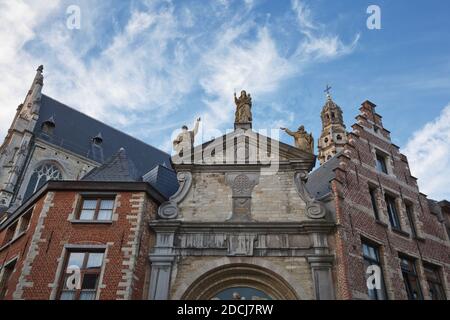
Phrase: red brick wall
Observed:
(355, 218)
(119, 237)
(18, 248)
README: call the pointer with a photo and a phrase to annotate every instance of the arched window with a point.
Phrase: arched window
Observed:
(40, 176)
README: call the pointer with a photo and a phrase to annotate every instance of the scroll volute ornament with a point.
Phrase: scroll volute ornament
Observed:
(314, 208)
(169, 209)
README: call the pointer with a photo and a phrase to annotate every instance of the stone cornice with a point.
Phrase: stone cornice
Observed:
(253, 226)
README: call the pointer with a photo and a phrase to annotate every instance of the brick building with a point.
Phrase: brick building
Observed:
(95, 224)
(382, 218)
(247, 217)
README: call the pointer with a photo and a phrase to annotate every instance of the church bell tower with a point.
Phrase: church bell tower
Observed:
(334, 135)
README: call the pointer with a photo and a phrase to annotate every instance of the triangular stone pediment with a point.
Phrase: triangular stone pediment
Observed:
(242, 147)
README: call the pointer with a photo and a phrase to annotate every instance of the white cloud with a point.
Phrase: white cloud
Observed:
(257, 65)
(326, 47)
(132, 73)
(304, 17)
(317, 43)
(147, 64)
(428, 153)
(18, 21)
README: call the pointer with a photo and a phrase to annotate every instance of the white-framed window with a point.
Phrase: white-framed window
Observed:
(96, 208)
(89, 266)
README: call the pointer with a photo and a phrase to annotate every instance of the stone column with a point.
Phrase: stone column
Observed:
(162, 259)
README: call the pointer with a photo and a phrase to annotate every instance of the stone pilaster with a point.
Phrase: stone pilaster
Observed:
(162, 259)
(322, 280)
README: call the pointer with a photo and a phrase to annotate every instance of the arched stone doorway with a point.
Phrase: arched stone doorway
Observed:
(242, 281)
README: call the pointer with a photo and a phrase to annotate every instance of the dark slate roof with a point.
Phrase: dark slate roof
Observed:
(318, 183)
(164, 179)
(118, 168)
(74, 131)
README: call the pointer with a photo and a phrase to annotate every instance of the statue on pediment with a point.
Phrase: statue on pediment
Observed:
(243, 107)
(185, 139)
(303, 140)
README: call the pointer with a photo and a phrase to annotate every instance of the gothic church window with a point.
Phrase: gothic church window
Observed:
(40, 176)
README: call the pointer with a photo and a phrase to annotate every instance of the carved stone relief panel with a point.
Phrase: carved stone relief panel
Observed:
(242, 185)
(241, 244)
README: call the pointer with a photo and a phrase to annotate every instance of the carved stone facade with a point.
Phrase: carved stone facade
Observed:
(248, 214)
(235, 218)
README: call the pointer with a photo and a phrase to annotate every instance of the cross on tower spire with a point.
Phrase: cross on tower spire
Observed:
(327, 91)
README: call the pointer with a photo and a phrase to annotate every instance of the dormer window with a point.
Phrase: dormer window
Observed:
(98, 139)
(48, 126)
(96, 148)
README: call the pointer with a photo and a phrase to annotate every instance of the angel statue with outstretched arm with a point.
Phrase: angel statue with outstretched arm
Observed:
(303, 140)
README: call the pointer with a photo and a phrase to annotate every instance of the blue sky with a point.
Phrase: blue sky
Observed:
(148, 67)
